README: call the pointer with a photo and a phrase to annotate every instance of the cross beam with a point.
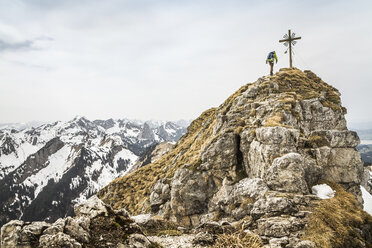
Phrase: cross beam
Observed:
(289, 40)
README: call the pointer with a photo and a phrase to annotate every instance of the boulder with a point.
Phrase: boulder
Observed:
(22, 234)
(272, 206)
(160, 193)
(91, 208)
(222, 153)
(280, 136)
(189, 191)
(261, 156)
(274, 227)
(58, 240)
(287, 174)
(78, 228)
(204, 239)
(56, 227)
(11, 233)
(138, 241)
(238, 199)
(305, 244)
(278, 242)
(338, 138)
(249, 187)
(344, 166)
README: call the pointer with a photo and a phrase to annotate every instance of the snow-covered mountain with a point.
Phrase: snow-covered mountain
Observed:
(45, 170)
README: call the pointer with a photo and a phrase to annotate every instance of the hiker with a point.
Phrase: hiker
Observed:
(270, 59)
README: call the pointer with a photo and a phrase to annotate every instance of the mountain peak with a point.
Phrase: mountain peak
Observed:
(281, 134)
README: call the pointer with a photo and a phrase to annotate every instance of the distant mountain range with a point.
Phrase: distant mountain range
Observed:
(365, 153)
(45, 170)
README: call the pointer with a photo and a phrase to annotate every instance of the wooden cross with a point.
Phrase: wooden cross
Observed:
(290, 40)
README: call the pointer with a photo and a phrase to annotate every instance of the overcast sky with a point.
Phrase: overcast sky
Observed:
(168, 59)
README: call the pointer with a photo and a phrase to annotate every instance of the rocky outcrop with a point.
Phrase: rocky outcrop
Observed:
(95, 225)
(253, 159)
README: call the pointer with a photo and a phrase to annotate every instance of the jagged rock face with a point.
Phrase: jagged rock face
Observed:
(285, 131)
(95, 225)
(279, 136)
(44, 171)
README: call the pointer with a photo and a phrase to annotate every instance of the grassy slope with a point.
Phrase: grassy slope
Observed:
(335, 222)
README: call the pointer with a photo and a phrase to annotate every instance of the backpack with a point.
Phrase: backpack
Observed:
(271, 55)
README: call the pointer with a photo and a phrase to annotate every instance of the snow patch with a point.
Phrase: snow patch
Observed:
(367, 198)
(12, 161)
(323, 191)
(58, 164)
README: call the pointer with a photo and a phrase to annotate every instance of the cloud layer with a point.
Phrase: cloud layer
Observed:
(170, 59)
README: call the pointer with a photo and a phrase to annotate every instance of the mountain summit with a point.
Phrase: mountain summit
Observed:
(273, 166)
(256, 157)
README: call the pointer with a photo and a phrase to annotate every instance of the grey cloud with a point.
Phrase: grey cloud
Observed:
(34, 66)
(23, 45)
(7, 46)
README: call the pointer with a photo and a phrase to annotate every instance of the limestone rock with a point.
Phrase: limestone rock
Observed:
(11, 233)
(160, 194)
(274, 227)
(305, 244)
(18, 233)
(91, 208)
(204, 239)
(189, 192)
(56, 227)
(278, 242)
(238, 199)
(344, 166)
(287, 174)
(58, 240)
(338, 139)
(272, 206)
(95, 225)
(277, 135)
(78, 228)
(138, 241)
(260, 157)
(249, 187)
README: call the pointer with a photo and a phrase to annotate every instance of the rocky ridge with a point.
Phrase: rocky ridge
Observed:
(253, 161)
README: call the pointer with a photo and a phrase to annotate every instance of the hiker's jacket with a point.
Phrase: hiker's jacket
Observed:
(271, 58)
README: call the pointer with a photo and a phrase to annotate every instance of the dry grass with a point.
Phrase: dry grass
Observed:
(316, 141)
(275, 120)
(307, 86)
(169, 233)
(335, 221)
(239, 239)
(133, 190)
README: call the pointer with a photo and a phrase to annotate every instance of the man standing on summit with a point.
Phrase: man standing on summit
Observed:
(270, 59)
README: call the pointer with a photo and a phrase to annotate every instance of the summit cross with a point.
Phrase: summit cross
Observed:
(290, 40)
